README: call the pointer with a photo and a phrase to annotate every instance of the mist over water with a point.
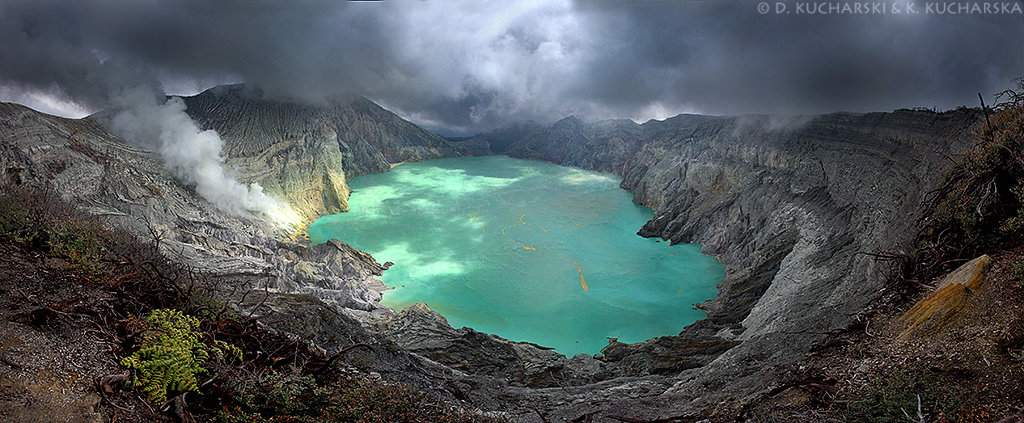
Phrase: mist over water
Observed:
(524, 249)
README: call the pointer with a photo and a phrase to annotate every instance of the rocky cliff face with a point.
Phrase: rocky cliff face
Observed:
(86, 164)
(794, 208)
(307, 153)
(762, 191)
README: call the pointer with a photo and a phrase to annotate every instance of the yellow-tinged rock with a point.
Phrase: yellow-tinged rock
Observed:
(938, 311)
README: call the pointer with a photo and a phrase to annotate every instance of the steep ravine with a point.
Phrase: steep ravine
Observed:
(787, 204)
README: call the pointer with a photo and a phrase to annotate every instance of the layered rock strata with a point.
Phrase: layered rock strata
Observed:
(89, 166)
(306, 153)
(795, 207)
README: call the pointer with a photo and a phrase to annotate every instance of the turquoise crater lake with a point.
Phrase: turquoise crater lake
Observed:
(524, 249)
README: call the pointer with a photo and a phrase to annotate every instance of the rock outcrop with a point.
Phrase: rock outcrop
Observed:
(940, 310)
(425, 332)
(89, 166)
(791, 207)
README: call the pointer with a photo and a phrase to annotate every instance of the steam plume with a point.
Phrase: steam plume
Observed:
(146, 117)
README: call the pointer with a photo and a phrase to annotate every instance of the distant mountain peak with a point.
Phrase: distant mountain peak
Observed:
(570, 120)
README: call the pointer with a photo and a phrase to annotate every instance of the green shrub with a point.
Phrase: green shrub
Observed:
(14, 215)
(171, 355)
(41, 220)
(980, 204)
(982, 196)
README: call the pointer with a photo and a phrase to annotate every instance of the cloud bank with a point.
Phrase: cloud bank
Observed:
(464, 66)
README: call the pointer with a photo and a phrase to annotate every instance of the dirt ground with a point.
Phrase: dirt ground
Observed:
(971, 371)
(51, 345)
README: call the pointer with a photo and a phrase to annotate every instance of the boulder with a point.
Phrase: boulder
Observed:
(940, 310)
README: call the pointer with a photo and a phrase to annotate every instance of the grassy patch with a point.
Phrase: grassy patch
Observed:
(896, 397)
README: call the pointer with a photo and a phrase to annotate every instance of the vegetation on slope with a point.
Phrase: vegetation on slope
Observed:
(978, 207)
(186, 352)
(971, 371)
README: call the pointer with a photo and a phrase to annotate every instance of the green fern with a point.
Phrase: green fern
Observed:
(172, 355)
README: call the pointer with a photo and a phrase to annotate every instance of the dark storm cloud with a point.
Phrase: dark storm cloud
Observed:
(466, 66)
(725, 57)
(88, 48)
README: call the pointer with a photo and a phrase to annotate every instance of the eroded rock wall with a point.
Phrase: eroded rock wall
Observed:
(785, 202)
(306, 153)
(102, 174)
(793, 206)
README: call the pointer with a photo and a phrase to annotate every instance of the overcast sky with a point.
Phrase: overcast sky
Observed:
(464, 66)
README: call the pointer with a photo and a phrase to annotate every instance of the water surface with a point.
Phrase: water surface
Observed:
(524, 249)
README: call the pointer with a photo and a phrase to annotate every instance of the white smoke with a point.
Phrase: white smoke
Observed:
(146, 117)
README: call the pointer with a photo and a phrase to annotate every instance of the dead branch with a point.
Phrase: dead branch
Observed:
(181, 410)
(543, 417)
(104, 386)
(920, 416)
(265, 298)
(10, 363)
(136, 272)
(990, 186)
